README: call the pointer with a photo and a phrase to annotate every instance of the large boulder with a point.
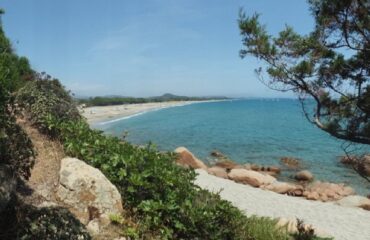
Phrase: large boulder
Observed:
(86, 191)
(250, 177)
(8, 184)
(187, 159)
(304, 176)
(218, 172)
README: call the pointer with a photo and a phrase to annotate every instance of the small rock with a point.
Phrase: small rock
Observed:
(93, 227)
(227, 164)
(365, 207)
(217, 154)
(313, 196)
(304, 176)
(218, 172)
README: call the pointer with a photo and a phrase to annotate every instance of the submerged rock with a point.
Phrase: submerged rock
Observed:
(290, 162)
(187, 159)
(217, 154)
(86, 191)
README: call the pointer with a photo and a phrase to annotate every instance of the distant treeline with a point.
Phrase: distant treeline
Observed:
(105, 101)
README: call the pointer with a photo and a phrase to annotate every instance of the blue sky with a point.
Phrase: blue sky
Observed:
(146, 47)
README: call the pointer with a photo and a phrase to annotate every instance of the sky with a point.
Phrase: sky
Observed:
(147, 47)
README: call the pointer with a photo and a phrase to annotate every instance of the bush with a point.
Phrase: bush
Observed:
(46, 97)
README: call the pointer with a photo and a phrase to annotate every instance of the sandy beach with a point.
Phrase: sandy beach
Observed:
(101, 114)
(342, 223)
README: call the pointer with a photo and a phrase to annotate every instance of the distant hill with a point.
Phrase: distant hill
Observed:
(117, 100)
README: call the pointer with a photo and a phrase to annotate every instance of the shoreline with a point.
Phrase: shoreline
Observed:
(328, 218)
(101, 115)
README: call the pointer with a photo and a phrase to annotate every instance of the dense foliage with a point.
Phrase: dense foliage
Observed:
(45, 96)
(104, 101)
(15, 147)
(330, 65)
(20, 221)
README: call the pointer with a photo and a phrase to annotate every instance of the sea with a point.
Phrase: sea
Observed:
(258, 131)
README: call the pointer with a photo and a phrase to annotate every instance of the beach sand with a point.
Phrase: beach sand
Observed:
(343, 223)
(99, 114)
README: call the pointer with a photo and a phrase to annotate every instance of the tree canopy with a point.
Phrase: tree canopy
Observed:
(330, 65)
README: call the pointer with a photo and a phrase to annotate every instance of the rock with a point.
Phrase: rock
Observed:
(290, 162)
(354, 201)
(327, 191)
(281, 187)
(187, 159)
(8, 184)
(291, 225)
(218, 172)
(249, 177)
(93, 227)
(304, 176)
(217, 154)
(313, 196)
(47, 204)
(227, 164)
(365, 207)
(86, 191)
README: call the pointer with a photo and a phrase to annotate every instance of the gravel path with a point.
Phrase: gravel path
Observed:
(343, 223)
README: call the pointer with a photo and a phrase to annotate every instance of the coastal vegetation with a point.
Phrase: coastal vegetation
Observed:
(159, 195)
(105, 101)
(330, 66)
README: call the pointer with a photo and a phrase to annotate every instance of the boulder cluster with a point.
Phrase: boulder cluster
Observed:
(264, 177)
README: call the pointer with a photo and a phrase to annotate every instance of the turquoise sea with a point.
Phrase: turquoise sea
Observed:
(248, 131)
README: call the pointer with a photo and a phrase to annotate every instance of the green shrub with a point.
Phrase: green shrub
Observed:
(45, 97)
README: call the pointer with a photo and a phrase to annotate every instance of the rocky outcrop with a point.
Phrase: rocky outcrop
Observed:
(8, 185)
(250, 177)
(304, 176)
(324, 191)
(218, 172)
(187, 159)
(86, 191)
